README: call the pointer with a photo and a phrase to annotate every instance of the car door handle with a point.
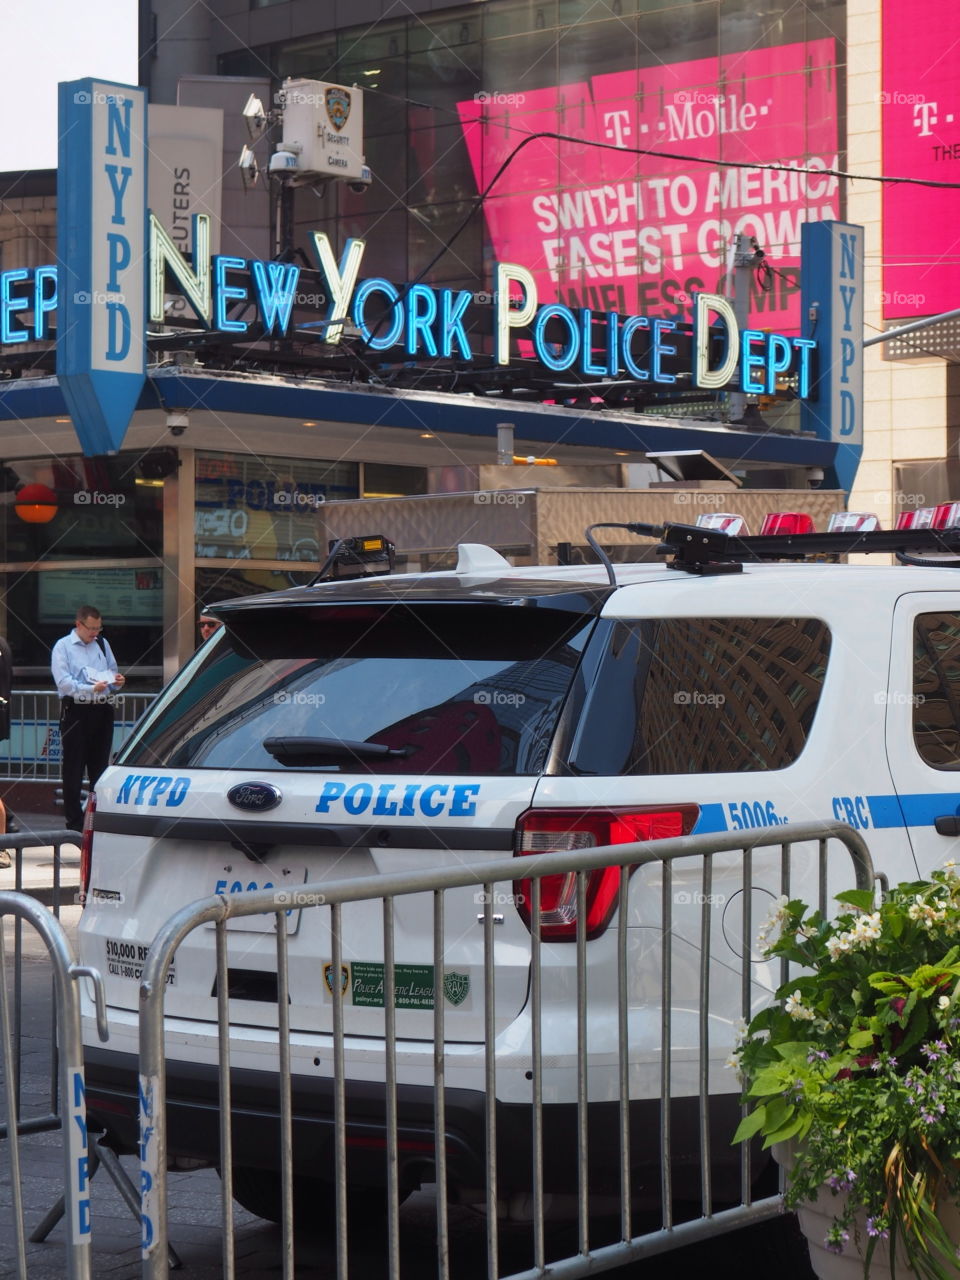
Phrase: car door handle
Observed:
(948, 824)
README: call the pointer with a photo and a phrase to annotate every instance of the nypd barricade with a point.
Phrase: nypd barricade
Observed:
(402, 987)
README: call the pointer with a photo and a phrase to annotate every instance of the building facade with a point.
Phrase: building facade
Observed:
(613, 151)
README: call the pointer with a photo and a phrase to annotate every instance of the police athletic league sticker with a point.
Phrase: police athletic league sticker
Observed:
(362, 983)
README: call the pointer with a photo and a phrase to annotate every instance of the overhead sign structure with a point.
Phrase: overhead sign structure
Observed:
(102, 247)
(430, 323)
(832, 281)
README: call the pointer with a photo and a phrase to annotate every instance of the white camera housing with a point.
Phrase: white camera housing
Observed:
(359, 185)
(284, 162)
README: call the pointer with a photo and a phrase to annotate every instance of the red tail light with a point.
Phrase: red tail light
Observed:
(787, 522)
(562, 830)
(86, 847)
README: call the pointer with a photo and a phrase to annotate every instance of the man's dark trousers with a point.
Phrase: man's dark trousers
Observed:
(86, 740)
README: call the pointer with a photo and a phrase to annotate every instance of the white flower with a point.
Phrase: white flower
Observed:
(778, 913)
(835, 946)
(943, 1002)
(794, 1006)
(866, 928)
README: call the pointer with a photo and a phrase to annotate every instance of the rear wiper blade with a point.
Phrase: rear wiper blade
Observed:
(307, 751)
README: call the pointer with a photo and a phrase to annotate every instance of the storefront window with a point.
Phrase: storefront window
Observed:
(41, 607)
(104, 507)
(383, 480)
(255, 508)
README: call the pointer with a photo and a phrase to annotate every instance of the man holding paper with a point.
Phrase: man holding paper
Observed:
(85, 672)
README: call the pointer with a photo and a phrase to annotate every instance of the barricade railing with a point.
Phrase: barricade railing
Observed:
(71, 1116)
(689, 1002)
(32, 752)
(55, 895)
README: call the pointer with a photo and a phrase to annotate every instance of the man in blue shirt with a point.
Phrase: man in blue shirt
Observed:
(85, 672)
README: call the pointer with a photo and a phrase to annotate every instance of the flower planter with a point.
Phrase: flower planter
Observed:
(856, 1064)
(815, 1220)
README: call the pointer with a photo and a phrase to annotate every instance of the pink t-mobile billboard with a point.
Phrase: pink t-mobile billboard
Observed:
(920, 106)
(604, 228)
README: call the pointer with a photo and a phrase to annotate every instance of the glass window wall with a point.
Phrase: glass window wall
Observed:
(599, 216)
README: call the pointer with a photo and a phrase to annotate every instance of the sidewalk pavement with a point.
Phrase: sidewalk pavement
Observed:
(33, 867)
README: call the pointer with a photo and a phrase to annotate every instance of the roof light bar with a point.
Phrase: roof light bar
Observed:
(779, 523)
(852, 522)
(946, 515)
(725, 521)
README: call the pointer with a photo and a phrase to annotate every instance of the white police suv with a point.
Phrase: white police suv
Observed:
(387, 724)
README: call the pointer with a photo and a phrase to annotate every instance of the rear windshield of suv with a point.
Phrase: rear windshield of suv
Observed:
(449, 688)
(696, 695)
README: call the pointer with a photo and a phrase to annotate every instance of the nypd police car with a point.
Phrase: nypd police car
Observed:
(387, 724)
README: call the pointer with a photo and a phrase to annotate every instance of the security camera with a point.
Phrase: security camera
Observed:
(814, 477)
(359, 185)
(177, 422)
(284, 161)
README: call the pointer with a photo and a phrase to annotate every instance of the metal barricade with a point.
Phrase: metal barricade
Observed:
(54, 895)
(692, 1000)
(32, 752)
(72, 1122)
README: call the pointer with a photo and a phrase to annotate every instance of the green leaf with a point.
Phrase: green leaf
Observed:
(770, 1081)
(796, 1052)
(778, 1112)
(750, 1125)
(860, 1039)
(862, 899)
(789, 1130)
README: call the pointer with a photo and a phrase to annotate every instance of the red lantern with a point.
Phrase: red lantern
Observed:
(35, 504)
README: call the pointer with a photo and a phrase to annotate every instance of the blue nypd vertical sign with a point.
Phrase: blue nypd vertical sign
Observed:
(831, 293)
(102, 251)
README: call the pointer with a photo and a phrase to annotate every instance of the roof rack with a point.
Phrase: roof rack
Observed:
(711, 551)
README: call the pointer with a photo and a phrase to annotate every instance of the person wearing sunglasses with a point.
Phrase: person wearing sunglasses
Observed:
(85, 673)
(208, 624)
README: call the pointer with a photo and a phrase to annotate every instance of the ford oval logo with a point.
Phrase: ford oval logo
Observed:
(255, 796)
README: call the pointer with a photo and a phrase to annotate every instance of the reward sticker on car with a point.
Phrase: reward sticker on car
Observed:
(362, 983)
(126, 960)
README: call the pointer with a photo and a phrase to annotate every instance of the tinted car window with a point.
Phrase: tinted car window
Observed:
(449, 688)
(699, 695)
(936, 689)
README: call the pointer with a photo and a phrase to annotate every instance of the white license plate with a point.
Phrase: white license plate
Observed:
(239, 881)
